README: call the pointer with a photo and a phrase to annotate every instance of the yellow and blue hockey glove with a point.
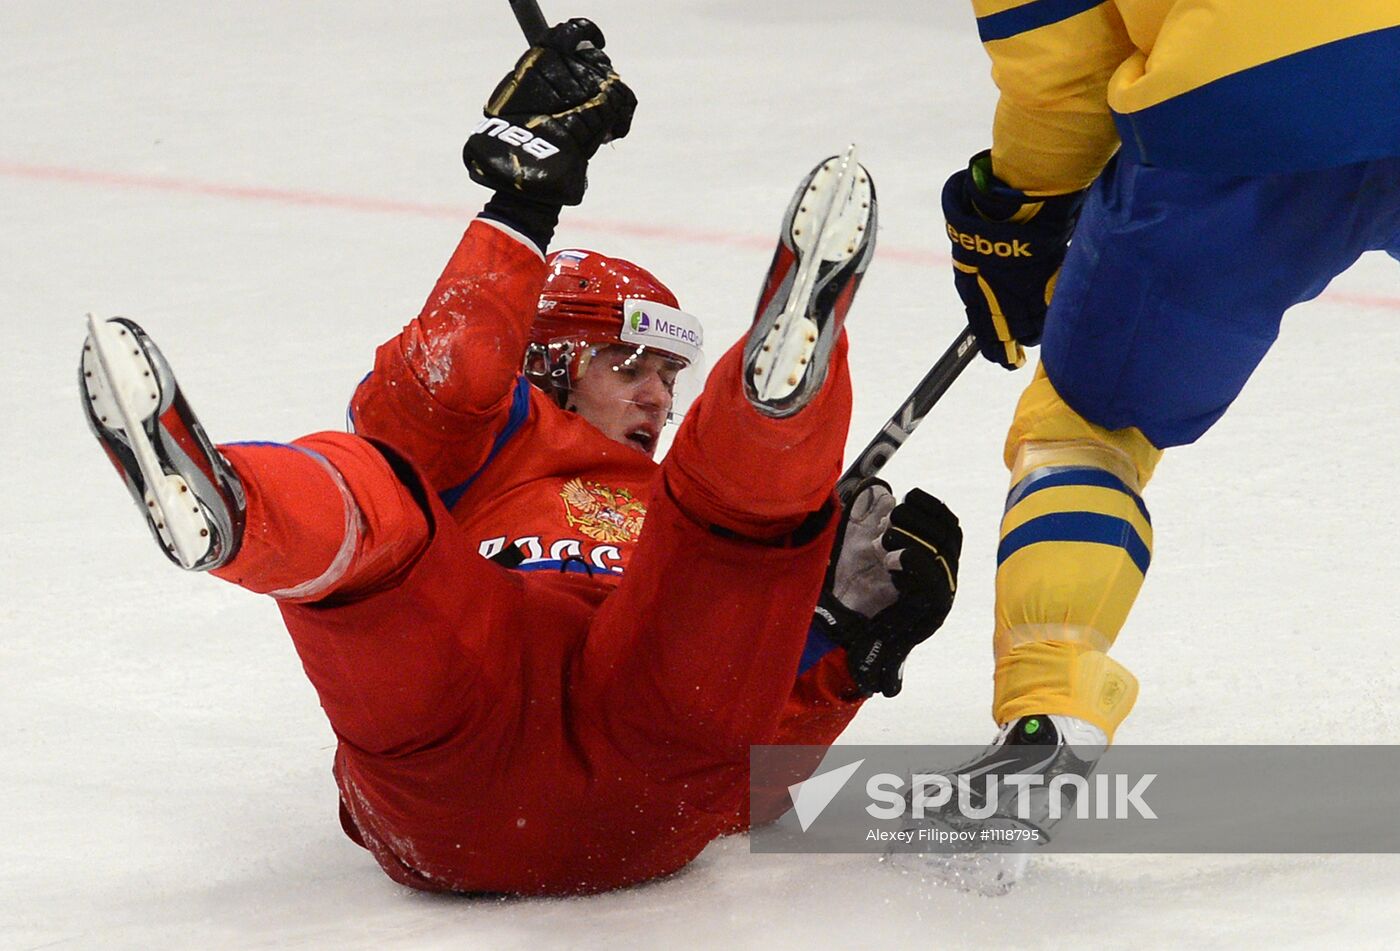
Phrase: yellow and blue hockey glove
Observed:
(1007, 252)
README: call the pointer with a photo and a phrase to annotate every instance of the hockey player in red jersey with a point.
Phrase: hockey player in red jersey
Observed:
(545, 656)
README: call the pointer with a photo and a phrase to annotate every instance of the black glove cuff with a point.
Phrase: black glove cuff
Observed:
(836, 621)
(535, 220)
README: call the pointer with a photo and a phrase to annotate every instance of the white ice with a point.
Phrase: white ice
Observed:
(271, 190)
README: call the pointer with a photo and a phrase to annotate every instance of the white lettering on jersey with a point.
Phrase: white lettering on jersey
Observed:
(606, 557)
(565, 548)
(530, 545)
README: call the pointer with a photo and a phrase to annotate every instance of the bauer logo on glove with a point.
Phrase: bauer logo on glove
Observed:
(548, 117)
(514, 135)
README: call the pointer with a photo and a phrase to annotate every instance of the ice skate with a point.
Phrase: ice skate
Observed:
(1046, 746)
(827, 239)
(191, 497)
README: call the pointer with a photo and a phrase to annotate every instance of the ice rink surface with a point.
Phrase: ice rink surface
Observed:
(271, 189)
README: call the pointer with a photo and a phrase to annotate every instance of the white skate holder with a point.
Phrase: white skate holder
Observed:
(125, 394)
(826, 227)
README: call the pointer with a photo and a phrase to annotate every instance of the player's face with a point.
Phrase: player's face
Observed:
(626, 393)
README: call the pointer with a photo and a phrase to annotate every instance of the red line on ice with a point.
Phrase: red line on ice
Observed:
(288, 196)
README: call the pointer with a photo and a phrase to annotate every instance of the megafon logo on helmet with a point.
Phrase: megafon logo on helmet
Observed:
(643, 324)
(650, 324)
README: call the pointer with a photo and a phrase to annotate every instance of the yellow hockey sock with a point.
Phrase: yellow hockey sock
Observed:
(1066, 677)
(1076, 542)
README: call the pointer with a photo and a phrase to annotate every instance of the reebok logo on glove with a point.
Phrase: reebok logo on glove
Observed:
(980, 245)
(515, 135)
(1007, 250)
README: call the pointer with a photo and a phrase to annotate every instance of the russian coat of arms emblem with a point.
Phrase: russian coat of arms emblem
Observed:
(602, 513)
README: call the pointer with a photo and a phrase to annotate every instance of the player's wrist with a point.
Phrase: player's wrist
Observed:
(996, 200)
(837, 623)
(535, 220)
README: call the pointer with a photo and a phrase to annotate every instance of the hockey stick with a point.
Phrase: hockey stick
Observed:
(910, 413)
(531, 20)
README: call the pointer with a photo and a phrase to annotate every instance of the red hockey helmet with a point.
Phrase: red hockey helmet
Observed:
(589, 302)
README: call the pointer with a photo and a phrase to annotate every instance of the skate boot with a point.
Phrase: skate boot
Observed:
(827, 240)
(1046, 746)
(191, 497)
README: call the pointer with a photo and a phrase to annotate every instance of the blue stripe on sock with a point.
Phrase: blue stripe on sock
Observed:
(1052, 476)
(1088, 527)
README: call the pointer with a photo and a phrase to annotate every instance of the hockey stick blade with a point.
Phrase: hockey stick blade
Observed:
(910, 413)
(531, 20)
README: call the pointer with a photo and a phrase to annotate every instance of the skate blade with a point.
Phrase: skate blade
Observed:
(827, 230)
(124, 391)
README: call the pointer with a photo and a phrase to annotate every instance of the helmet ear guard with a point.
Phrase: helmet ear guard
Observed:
(547, 368)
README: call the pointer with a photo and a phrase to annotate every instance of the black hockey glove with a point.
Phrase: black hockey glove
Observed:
(548, 117)
(891, 581)
(1007, 252)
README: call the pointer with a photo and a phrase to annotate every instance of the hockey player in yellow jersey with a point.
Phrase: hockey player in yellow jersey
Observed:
(1216, 162)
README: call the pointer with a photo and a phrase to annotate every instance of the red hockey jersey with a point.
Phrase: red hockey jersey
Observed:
(512, 468)
(510, 465)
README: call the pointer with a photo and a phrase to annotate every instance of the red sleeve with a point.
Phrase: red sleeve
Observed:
(822, 703)
(442, 389)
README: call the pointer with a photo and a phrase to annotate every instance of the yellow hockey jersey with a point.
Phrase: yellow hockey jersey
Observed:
(1216, 86)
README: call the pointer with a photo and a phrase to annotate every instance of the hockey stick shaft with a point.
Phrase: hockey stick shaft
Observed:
(531, 20)
(910, 413)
